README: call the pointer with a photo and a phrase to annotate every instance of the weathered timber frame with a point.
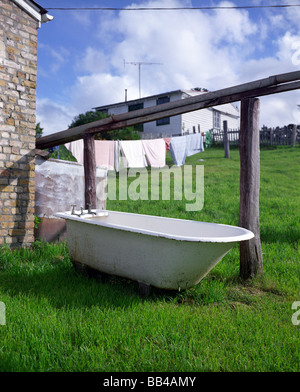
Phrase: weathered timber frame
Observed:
(251, 262)
(250, 251)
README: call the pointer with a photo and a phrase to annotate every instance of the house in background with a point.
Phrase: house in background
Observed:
(200, 120)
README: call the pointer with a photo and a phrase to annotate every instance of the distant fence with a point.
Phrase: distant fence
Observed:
(280, 136)
(233, 136)
(287, 135)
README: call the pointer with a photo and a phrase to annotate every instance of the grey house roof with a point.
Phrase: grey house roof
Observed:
(138, 100)
(184, 93)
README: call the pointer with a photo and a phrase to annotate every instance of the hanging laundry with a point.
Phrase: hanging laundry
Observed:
(155, 150)
(178, 149)
(167, 142)
(194, 144)
(133, 153)
(76, 149)
(105, 154)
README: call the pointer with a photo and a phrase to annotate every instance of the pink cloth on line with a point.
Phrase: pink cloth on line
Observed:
(76, 149)
(105, 154)
(155, 150)
(167, 141)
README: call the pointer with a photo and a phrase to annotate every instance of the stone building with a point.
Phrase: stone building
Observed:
(19, 22)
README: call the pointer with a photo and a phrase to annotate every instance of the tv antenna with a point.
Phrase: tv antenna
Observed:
(139, 64)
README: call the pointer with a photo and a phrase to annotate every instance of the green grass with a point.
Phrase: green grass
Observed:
(58, 319)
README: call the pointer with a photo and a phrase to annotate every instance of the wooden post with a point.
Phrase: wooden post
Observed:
(225, 140)
(89, 171)
(251, 261)
(293, 135)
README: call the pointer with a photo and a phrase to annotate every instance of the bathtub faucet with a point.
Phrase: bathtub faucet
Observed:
(90, 210)
(81, 211)
(73, 211)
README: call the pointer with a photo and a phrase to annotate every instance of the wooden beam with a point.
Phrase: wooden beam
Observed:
(271, 85)
(89, 171)
(251, 261)
(42, 153)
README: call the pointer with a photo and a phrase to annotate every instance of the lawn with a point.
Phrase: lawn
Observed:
(58, 319)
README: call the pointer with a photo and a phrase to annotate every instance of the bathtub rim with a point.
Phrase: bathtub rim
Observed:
(88, 219)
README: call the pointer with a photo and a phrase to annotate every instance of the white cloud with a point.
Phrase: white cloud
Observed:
(286, 46)
(57, 57)
(93, 61)
(100, 89)
(280, 109)
(195, 47)
(53, 117)
(292, 16)
(84, 18)
(234, 26)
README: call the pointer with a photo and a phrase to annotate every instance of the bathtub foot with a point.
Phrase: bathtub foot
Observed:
(144, 289)
(79, 267)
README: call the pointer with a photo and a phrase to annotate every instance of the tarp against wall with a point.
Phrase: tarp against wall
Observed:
(59, 184)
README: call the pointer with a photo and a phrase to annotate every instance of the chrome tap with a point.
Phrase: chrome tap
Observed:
(73, 210)
(90, 210)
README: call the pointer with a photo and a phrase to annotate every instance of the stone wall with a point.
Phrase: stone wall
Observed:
(18, 69)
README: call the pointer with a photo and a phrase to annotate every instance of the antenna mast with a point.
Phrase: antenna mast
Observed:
(139, 64)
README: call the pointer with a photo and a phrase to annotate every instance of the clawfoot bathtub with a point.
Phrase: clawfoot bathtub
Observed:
(162, 252)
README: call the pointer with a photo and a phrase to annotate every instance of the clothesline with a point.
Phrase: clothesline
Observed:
(112, 154)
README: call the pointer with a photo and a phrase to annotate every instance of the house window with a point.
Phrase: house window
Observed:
(136, 106)
(216, 119)
(159, 101)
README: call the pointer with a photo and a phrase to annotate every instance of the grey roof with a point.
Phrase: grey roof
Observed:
(135, 101)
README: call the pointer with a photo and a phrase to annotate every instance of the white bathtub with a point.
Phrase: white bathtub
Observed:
(163, 252)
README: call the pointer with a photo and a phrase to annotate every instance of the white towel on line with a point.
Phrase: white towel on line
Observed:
(133, 153)
(194, 144)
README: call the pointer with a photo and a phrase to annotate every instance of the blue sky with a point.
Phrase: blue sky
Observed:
(81, 54)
